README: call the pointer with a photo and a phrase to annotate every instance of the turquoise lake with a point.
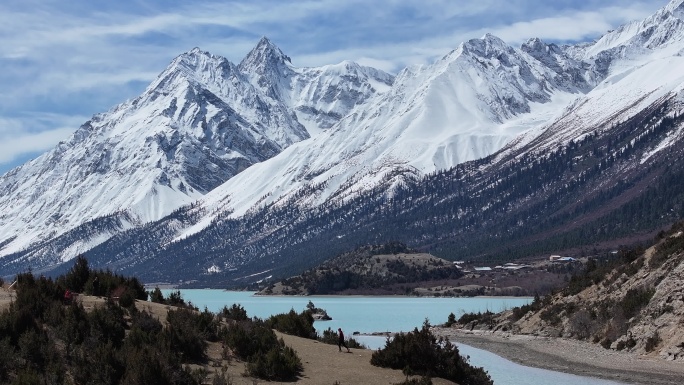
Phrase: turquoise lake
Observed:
(367, 314)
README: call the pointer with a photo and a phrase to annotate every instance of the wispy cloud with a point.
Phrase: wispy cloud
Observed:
(34, 134)
(76, 58)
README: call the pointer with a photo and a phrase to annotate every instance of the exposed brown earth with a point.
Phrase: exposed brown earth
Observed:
(323, 364)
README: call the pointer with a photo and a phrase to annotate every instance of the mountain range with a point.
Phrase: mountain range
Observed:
(224, 174)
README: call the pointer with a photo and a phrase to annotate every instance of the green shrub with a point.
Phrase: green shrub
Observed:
(45, 341)
(635, 300)
(485, 318)
(673, 245)
(267, 357)
(151, 366)
(176, 299)
(422, 353)
(330, 337)
(97, 364)
(300, 325)
(451, 319)
(519, 311)
(188, 332)
(107, 324)
(249, 338)
(36, 295)
(156, 296)
(77, 276)
(8, 359)
(235, 313)
(145, 330)
(82, 279)
(280, 363)
(127, 299)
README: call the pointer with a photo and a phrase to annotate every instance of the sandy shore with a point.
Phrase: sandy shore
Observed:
(572, 356)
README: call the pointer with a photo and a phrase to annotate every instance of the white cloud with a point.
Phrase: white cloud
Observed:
(24, 143)
(80, 57)
(25, 135)
(576, 26)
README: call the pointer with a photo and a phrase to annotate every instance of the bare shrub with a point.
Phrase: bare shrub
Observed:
(652, 342)
(617, 326)
(581, 325)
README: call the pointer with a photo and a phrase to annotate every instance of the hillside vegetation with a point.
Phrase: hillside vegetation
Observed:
(392, 268)
(58, 332)
(589, 194)
(48, 337)
(633, 301)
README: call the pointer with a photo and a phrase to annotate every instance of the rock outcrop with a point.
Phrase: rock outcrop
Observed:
(636, 306)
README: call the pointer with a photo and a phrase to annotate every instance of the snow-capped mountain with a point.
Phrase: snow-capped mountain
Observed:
(325, 151)
(638, 63)
(201, 122)
(465, 106)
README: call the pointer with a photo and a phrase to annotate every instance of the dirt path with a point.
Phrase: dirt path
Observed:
(324, 364)
(572, 356)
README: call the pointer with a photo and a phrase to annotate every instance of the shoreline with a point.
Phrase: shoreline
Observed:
(571, 356)
(371, 295)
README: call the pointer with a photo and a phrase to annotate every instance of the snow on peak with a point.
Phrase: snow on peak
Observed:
(343, 128)
(201, 122)
(263, 57)
(662, 30)
(676, 8)
(464, 106)
(487, 46)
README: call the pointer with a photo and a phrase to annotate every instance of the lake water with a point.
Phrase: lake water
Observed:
(379, 314)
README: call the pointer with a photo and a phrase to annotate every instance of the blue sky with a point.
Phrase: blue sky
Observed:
(63, 61)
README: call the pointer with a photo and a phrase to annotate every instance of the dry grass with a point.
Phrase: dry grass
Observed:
(322, 363)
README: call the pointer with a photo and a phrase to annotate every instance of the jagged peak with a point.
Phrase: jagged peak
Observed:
(265, 53)
(536, 44)
(191, 67)
(195, 52)
(193, 60)
(676, 7)
(343, 66)
(492, 38)
(655, 31)
(266, 44)
(485, 46)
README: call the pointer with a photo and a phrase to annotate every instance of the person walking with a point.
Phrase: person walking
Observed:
(340, 341)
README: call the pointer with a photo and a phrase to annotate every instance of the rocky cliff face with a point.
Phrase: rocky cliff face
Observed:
(637, 306)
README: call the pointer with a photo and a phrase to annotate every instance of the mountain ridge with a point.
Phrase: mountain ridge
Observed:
(483, 108)
(198, 124)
